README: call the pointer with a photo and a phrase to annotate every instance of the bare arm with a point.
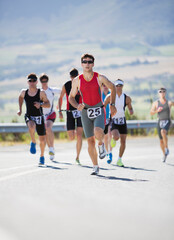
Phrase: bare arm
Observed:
(107, 100)
(111, 86)
(153, 109)
(129, 105)
(74, 90)
(45, 102)
(171, 104)
(20, 101)
(60, 100)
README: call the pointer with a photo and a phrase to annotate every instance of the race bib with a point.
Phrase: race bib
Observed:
(93, 112)
(36, 119)
(163, 123)
(119, 121)
(76, 113)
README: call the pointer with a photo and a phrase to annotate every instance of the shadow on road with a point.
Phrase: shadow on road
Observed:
(52, 167)
(170, 164)
(121, 179)
(65, 163)
(134, 168)
(85, 166)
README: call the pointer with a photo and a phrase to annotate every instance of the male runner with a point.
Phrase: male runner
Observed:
(93, 117)
(73, 117)
(35, 100)
(49, 113)
(119, 126)
(162, 108)
(107, 132)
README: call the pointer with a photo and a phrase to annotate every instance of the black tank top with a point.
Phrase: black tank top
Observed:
(31, 110)
(68, 86)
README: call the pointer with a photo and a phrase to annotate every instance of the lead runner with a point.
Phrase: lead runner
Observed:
(93, 116)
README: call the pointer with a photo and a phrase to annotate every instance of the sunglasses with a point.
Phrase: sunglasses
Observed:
(89, 62)
(119, 85)
(162, 91)
(44, 81)
(32, 80)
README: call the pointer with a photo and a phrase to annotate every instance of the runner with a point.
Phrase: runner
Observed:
(93, 117)
(49, 113)
(119, 126)
(35, 100)
(107, 132)
(73, 117)
(162, 108)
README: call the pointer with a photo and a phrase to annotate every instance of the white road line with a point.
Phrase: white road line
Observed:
(21, 174)
(13, 168)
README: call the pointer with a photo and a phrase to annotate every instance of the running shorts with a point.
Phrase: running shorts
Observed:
(121, 128)
(51, 117)
(163, 124)
(39, 121)
(90, 123)
(71, 122)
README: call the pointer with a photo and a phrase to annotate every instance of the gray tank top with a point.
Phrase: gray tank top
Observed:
(165, 113)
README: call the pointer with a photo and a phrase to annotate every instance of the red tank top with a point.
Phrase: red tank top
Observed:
(90, 91)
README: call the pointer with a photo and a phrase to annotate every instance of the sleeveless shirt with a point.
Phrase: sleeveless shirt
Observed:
(165, 113)
(31, 110)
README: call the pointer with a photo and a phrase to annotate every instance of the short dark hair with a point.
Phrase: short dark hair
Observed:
(32, 76)
(74, 72)
(43, 76)
(87, 55)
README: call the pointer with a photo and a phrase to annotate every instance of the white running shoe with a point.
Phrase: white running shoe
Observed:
(95, 171)
(52, 154)
(102, 151)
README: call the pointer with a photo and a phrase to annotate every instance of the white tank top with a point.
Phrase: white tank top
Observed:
(50, 92)
(120, 106)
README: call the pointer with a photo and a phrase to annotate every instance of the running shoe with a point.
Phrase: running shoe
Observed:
(51, 154)
(113, 143)
(109, 158)
(119, 163)
(33, 148)
(95, 171)
(42, 161)
(102, 151)
(166, 154)
(77, 161)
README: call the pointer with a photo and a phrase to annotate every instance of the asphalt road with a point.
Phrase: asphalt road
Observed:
(63, 201)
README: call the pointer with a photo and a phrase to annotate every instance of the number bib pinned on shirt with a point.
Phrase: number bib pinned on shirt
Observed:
(93, 112)
(119, 121)
(76, 113)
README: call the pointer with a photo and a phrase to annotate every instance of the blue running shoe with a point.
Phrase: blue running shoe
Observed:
(109, 158)
(33, 148)
(42, 161)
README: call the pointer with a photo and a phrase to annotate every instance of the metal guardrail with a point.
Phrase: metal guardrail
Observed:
(61, 127)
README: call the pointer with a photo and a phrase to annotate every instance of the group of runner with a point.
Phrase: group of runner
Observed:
(95, 105)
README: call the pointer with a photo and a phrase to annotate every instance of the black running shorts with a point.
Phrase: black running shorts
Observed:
(71, 122)
(39, 121)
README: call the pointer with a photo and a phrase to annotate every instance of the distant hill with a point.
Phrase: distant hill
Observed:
(113, 21)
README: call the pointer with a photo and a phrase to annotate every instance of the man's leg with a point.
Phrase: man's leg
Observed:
(71, 134)
(162, 146)
(122, 144)
(42, 140)
(92, 150)
(32, 127)
(49, 133)
(99, 135)
(79, 132)
(164, 136)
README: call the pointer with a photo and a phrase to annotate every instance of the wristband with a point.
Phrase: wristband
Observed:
(60, 111)
(112, 104)
(41, 103)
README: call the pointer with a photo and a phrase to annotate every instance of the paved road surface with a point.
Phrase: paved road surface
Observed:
(63, 201)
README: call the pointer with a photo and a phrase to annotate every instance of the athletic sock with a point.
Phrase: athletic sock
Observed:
(51, 149)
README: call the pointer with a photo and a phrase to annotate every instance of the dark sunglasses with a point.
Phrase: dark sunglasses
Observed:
(44, 81)
(119, 85)
(162, 91)
(89, 62)
(32, 80)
